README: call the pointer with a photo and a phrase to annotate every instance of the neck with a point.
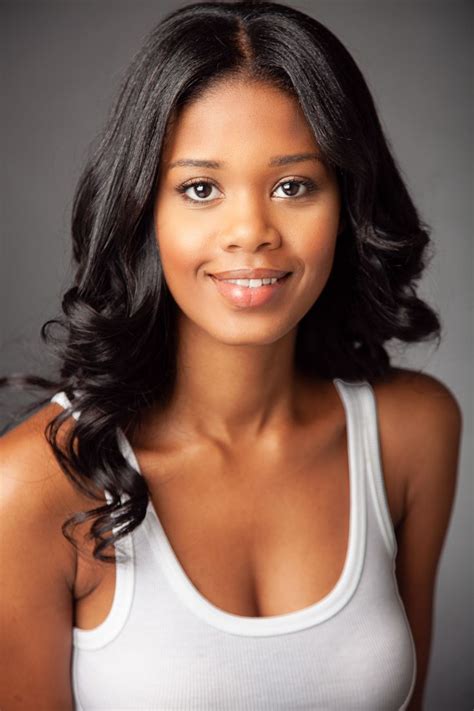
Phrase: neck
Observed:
(232, 393)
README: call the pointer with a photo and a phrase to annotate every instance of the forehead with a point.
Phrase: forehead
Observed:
(238, 115)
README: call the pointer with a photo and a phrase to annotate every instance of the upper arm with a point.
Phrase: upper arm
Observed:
(430, 424)
(37, 563)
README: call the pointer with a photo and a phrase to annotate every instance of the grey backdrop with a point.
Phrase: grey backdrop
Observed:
(62, 62)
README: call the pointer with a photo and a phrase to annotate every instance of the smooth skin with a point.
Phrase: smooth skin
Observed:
(239, 414)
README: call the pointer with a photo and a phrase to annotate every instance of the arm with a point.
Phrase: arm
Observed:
(431, 435)
(37, 571)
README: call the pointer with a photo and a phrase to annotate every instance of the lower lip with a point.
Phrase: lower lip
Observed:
(247, 296)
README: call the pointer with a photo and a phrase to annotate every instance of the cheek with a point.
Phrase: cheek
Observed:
(178, 247)
(320, 252)
(177, 254)
(316, 250)
(319, 242)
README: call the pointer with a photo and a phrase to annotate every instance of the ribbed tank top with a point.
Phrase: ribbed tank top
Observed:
(165, 647)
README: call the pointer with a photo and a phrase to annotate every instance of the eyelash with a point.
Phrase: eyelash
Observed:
(310, 186)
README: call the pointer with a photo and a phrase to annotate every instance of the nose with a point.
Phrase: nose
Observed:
(249, 229)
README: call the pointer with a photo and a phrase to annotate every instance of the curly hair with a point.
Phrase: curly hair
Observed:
(117, 342)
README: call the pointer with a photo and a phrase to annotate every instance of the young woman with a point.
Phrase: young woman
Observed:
(233, 499)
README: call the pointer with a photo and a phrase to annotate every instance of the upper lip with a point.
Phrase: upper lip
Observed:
(250, 274)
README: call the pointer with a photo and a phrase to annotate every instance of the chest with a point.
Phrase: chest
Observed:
(261, 535)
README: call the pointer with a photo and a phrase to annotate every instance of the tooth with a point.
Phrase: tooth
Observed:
(252, 283)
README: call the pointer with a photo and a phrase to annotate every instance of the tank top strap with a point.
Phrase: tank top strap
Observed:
(367, 407)
(350, 393)
(62, 399)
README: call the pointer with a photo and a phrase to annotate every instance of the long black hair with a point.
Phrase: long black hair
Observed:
(117, 333)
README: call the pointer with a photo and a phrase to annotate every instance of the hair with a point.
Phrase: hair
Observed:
(117, 331)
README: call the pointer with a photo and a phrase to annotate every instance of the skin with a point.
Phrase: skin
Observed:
(270, 444)
(249, 220)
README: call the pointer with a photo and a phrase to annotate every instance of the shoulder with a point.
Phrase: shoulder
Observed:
(419, 418)
(38, 591)
(417, 400)
(403, 387)
(36, 497)
(418, 403)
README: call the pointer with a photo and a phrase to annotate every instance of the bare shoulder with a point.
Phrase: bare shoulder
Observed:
(419, 417)
(34, 491)
(421, 389)
(37, 592)
(37, 497)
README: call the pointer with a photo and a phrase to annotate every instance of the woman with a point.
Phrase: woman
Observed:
(245, 446)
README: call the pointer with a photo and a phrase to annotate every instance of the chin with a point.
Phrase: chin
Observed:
(245, 336)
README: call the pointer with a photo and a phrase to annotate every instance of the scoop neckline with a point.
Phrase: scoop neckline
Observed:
(312, 614)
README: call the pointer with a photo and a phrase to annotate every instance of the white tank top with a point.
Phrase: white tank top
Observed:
(165, 647)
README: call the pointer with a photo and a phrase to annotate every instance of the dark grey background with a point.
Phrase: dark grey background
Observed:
(62, 62)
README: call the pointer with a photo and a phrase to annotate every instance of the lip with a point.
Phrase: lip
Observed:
(249, 297)
(250, 274)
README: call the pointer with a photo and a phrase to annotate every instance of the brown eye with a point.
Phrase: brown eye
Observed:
(291, 187)
(201, 188)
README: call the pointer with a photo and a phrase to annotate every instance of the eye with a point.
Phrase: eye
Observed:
(203, 189)
(197, 186)
(309, 185)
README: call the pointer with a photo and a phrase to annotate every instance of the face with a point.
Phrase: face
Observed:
(249, 212)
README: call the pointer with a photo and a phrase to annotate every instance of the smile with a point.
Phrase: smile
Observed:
(250, 293)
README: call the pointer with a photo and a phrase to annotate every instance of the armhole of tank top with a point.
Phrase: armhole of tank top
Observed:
(376, 479)
(112, 625)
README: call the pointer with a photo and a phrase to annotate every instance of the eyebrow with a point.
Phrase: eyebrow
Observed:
(275, 161)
